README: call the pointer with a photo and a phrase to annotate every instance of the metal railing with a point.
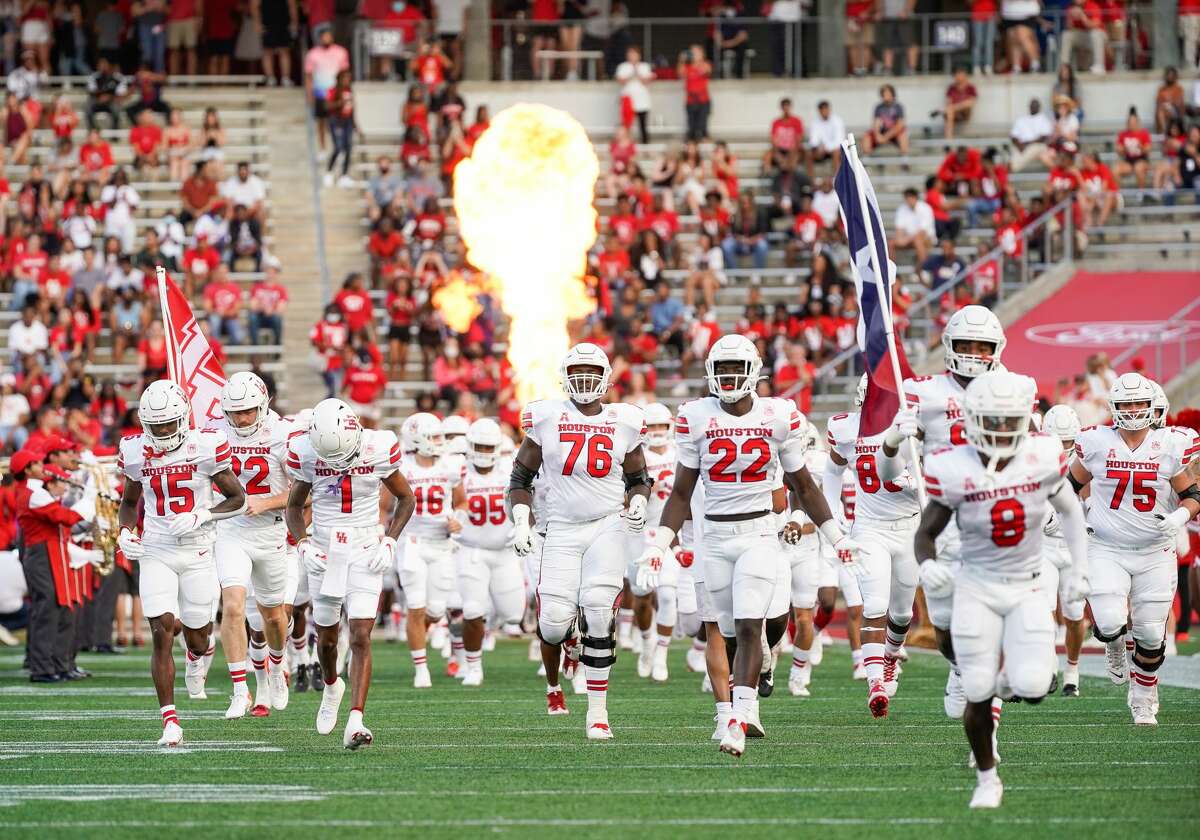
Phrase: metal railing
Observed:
(1175, 330)
(787, 49)
(917, 337)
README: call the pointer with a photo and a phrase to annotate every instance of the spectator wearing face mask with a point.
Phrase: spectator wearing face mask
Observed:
(364, 383)
(451, 373)
(328, 337)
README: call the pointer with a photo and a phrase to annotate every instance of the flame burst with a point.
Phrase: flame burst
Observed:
(524, 205)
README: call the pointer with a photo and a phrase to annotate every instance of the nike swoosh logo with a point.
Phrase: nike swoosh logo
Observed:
(202, 553)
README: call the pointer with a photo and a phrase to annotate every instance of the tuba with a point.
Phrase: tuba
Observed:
(105, 525)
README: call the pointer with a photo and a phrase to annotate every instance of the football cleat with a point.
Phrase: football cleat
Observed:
(659, 672)
(891, 675)
(301, 684)
(766, 682)
(877, 699)
(1114, 660)
(733, 741)
(987, 794)
(859, 672)
(570, 660)
(722, 721)
(579, 683)
(331, 701)
(695, 661)
(1143, 715)
(193, 678)
(753, 724)
(356, 735)
(316, 677)
(1053, 689)
(1070, 690)
(955, 700)
(798, 682)
(556, 703)
(598, 729)
(172, 735)
(277, 681)
(473, 677)
(239, 704)
(817, 651)
(452, 668)
(260, 710)
(645, 662)
(421, 678)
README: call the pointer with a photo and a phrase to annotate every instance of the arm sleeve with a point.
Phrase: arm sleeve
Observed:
(890, 468)
(688, 454)
(831, 488)
(1072, 526)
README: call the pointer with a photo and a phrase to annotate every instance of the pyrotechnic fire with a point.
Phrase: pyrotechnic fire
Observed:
(524, 205)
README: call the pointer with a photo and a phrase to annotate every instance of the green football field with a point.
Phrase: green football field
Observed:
(80, 760)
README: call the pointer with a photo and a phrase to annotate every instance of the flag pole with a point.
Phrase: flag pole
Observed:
(850, 149)
(164, 307)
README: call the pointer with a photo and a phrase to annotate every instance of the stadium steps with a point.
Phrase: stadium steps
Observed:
(294, 222)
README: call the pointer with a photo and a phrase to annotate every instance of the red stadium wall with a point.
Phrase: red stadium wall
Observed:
(1105, 312)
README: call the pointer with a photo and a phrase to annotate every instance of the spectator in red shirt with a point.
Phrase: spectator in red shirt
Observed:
(1133, 150)
(960, 99)
(961, 170)
(95, 156)
(430, 224)
(402, 314)
(152, 354)
(355, 305)
(1008, 234)
(223, 305)
(1064, 176)
(860, 35)
(1084, 21)
(199, 262)
(430, 66)
(662, 220)
(146, 138)
(385, 246)
(403, 17)
(714, 218)
(328, 337)
(1100, 187)
(268, 300)
(983, 35)
(990, 191)
(364, 384)
(945, 224)
(613, 262)
(787, 140)
(623, 223)
(806, 230)
(451, 373)
(797, 373)
(695, 71)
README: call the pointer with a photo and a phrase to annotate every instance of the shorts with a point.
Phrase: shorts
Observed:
(583, 563)
(860, 33)
(276, 36)
(127, 582)
(746, 570)
(320, 111)
(182, 34)
(889, 581)
(35, 33)
(179, 580)
(426, 570)
(362, 586)
(220, 46)
(403, 334)
(895, 34)
(1030, 23)
(1137, 584)
(491, 582)
(248, 557)
(949, 546)
(994, 617)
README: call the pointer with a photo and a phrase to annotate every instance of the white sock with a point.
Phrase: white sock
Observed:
(474, 659)
(276, 657)
(799, 659)
(597, 691)
(987, 776)
(355, 719)
(553, 689)
(418, 659)
(857, 656)
(237, 673)
(872, 659)
(743, 700)
(724, 710)
(300, 652)
(258, 657)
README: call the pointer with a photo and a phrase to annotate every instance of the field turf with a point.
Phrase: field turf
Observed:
(79, 760)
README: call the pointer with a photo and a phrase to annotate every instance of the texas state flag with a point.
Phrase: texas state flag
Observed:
(883, 391)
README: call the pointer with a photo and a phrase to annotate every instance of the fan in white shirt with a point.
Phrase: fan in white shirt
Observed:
(914, 226)
(825, 136)
(246, 189)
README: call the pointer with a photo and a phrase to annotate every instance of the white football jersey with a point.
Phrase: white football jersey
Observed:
(433, 487)
(739, 458)
(938, 400)
(582, 456)
(1130, 486)
(260, 463)
(660, 466)
(487, 524)
(874, 499)
(345, 498)
(1000, 517)
(174, 482)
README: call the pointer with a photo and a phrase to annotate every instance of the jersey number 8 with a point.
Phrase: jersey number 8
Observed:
(1008, 523)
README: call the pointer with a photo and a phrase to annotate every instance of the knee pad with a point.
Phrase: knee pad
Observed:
(1030, 682)
(689, 623)
(1109, 614)
(473, 608)
(1149, 659)
(599, 639)
(326, 611)
(1110, 636)
(1150, 631)
(556, 619)
(1073, 610)
(668, 613)
(254, 619)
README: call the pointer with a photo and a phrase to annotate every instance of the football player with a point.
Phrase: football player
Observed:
(973, 341)
(1000, 486)
(885, 518)
(252, 548)
(426, 559)
(342, 466)
(454, 435)
(1062, 422)
(175, 469)
(490, 576)
(1141, 494)
(735, 443)
(592, 457)
(671, 598)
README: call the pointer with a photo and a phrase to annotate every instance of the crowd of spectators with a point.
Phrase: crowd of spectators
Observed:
(78, 254)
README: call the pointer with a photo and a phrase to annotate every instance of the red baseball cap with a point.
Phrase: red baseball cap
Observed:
(56, 473)
(21, 460)
(60, 444)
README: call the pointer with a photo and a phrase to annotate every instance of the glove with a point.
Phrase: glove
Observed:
(312, 558)
(130, 544)
(903, 427)
(1076, 587)
(635, 514)
(685, 558)
(936, 579)
(847, 551)
(522, 535)
(1051, 528)
(1173, 521)
(185, 523)
(649, 567)
(385, 557)
(790, 535)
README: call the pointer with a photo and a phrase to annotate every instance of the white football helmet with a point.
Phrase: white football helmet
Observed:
(733, 349)
(1062, 422)
(507, 447)
(996, 412)
(860, 391)
(245, 392)
(973, 323)
(407, 444)
(427, 438)
(658, 424)
(483, 434)
(335, 434)
(1161, 406)
(454, 431)
(1131, 388)
(585, 388)
(163, 403)
(302, 419)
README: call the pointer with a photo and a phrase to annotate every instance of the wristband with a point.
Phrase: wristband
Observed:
(520, 514)
(799, 517)
(662, 537)
(830, 531)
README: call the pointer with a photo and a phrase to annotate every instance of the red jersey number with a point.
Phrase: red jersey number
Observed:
(727, 452)
(1008, 523)
(430, 499)
(598, 458)
(958, 433)
(172, 494)
(1144, 494)
(868, 476)
(257, 470)
(483, 509)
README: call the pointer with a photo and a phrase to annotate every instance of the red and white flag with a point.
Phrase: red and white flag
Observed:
(190, 359)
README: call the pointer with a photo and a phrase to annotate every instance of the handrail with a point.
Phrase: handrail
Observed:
(935, 294)
(1129, 352)
(252, 80)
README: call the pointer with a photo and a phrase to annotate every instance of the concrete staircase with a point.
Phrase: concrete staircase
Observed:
(295, 225)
